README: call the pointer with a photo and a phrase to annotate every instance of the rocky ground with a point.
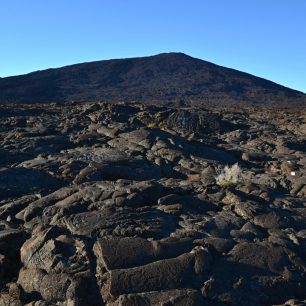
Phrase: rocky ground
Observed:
(126, 205)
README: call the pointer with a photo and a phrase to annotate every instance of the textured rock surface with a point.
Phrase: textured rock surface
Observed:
(114, 205)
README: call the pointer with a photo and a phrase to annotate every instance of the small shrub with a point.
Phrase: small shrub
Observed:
(153, 125)
(150, 125)
(229, 176)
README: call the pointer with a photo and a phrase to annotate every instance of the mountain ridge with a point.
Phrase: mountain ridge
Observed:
(163, 78)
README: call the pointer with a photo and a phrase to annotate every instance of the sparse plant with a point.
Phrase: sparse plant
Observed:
(229, 175)
(151, 125)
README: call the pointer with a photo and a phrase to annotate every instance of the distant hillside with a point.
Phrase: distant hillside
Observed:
(167, 77)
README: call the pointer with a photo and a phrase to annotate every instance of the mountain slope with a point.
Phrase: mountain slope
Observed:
(167, 77)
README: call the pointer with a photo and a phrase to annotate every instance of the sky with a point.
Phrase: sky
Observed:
(266, 38)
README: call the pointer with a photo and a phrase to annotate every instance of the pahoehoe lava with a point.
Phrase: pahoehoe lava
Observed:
(125, 204)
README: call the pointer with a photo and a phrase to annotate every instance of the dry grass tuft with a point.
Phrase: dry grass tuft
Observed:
(229, 176)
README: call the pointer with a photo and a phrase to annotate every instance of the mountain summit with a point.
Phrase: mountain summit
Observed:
(163, 78)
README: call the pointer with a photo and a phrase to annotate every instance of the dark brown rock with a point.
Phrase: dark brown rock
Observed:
(164, 274)
(127, 252)
(180, 297)
(105, 204)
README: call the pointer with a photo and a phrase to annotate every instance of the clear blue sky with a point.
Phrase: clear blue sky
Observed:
(263, 37)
